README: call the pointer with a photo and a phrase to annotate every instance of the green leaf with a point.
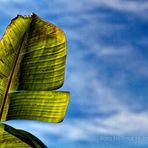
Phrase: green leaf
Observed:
(38, 105)
(11, 137)
(32, 64)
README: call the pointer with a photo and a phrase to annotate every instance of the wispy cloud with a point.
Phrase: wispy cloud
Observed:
(136, 6)
(121, 124)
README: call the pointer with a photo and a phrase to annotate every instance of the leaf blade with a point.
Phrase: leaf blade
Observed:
(46, 106)
(36, 61)
(11, 49)
(11, 137)
(47, 39)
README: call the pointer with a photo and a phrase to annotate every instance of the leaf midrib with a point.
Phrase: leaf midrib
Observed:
(11, 77)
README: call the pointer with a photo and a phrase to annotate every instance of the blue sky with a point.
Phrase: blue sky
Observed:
(106, 71)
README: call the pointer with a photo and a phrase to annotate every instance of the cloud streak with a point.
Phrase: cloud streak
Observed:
(77, 130)
(136, 6)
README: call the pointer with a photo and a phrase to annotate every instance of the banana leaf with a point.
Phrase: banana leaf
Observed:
(32, 65)
(11, 137)
(47, 106)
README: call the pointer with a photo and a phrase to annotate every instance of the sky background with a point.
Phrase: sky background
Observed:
(106, 71)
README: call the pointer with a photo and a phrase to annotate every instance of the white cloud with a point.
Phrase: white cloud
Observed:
(112, 51)
(121, 124)
(93, 95)
(136, 6)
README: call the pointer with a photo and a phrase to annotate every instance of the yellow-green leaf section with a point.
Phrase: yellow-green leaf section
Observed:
(47, 106)
(15, 138)
(32, 64)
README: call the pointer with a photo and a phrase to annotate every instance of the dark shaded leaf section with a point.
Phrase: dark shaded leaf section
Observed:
(11, 137)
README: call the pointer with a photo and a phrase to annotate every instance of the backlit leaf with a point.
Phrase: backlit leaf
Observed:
(32, 65)
(15, 138)
(39, 105)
